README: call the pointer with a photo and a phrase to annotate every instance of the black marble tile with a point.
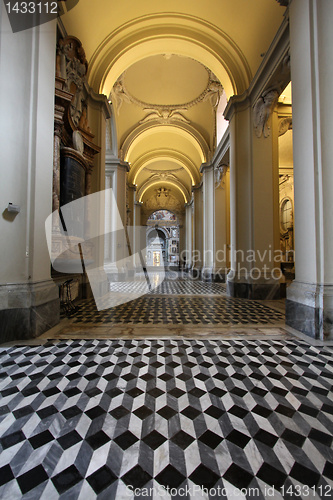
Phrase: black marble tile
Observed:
(170, 477)
(31, 479)
(66, 479)
(101, 479)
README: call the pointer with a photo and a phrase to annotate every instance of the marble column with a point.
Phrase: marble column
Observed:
(254, 216)
(188, 234)
(208, 183)
(29, 299)
(130, 227)
(309, 306)
(197, 255)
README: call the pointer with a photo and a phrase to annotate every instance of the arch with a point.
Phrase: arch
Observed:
(154, 127)
(170, 155)
(180, 34)
(153, 228)
(173, 183)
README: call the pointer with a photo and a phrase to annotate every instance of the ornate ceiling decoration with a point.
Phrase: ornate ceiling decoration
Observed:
(168, 171)
(165, 112)
(163, 198)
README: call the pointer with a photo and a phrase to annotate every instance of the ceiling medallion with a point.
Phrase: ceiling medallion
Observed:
(167, 112)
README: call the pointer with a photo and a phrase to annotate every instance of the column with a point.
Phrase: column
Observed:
(222, 223)
(116, 246)
(29, 300)
(131, 189)
(254, 217)
(207, 170)
(139, 240)
(197, 255)
(188, 235)
(309, 306)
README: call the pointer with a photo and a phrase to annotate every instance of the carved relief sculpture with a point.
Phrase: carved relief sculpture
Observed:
(262, 112)
(219, 175)
(285, 124)
(164, 115)
(71, 60)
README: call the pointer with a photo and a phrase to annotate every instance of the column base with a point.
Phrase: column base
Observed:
(256, 291)
(195, 273)
(28, 310)
(214, 275)
(309, 309)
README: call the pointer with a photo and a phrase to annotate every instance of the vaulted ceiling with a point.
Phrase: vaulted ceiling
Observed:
(168, 68)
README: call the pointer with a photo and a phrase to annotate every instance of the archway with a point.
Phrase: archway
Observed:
(162, 239)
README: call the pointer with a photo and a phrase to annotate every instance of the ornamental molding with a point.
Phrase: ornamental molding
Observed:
(163, 176)
(164, 173)
(164, 116)
(211, 93)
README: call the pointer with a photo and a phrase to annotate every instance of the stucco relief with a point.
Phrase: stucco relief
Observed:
(164, 116)
(162, 199)
(219, 175)
(262, 112)
(285, 124)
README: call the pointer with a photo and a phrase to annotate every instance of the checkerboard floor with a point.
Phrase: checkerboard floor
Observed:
(97, 419)
(181, 310)
(171, 287)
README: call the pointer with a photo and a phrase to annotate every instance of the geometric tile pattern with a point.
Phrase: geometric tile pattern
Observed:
(181, 310)
(171, 287)
(98, 419)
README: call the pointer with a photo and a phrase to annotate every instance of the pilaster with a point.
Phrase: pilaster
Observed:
(254, 226)
(208, 186)
(197, 254)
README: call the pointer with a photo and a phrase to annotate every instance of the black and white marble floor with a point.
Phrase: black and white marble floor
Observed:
(170, 418)
(169, 286)
(154, 310)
